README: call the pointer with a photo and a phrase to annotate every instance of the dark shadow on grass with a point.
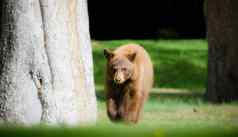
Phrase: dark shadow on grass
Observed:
(100, 94)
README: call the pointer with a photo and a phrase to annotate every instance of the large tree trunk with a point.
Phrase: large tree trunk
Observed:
(223, 50)
(46, 62)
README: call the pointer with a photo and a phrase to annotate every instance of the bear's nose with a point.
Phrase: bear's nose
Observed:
(117, 80)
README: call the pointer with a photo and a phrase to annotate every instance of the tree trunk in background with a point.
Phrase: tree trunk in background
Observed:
(46, 69)
(223, 50)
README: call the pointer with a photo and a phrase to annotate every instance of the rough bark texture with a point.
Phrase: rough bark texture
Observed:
(88, 99)
(21, 44)
(223, 50)
(46, 69)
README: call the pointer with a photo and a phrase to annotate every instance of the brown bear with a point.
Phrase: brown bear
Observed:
(129, 78)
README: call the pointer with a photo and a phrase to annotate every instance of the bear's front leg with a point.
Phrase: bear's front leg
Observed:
(111, 109)
(123, 108)
(134, 107)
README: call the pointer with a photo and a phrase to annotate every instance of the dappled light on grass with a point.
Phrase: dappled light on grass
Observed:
(177, 63)
(175, 108)
(180, 113)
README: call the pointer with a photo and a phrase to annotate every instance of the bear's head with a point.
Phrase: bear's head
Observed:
(120, 66)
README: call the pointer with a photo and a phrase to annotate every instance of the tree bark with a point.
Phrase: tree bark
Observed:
(46, 69)
(223, 50)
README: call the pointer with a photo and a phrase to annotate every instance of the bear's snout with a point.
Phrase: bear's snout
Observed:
(118, 81)
(119, 78)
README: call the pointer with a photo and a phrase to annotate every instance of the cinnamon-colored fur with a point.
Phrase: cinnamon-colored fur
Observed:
(129, 78)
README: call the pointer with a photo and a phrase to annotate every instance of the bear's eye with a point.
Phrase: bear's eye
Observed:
(114, 70)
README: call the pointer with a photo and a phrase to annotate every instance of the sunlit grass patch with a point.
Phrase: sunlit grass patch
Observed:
(175, 108)
(177, 63)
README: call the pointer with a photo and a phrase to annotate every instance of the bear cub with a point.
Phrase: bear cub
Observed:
(129, 78)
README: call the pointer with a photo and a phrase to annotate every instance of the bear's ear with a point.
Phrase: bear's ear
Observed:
(108, 54)
(132, 56)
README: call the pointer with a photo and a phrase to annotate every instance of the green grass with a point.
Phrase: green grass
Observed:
(176, 103)
(177, 63)
(175, 108)
(180, 108)
(179, 113)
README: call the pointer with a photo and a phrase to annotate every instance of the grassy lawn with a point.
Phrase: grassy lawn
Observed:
(176, 104)
(175, 108)
(180, 64)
